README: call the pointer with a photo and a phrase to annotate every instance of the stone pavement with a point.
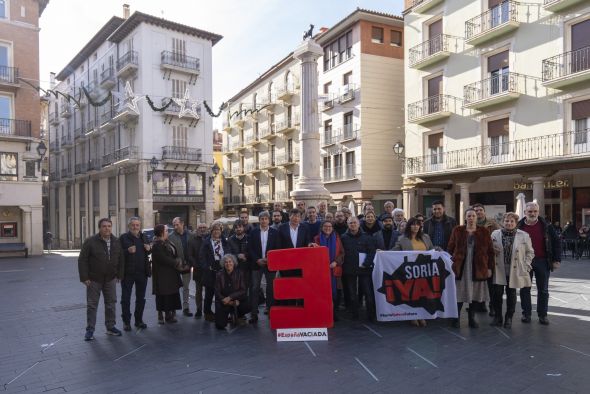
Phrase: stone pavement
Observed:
(42, 320)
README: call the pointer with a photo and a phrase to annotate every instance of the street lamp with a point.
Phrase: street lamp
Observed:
(41, 150)
(398, 149)
(153, 165)
(215, 171)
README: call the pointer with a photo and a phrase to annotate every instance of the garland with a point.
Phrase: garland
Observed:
(158, 109)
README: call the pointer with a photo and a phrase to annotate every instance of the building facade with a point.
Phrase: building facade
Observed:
(361, 98)
(21, 219)
(498, 104)
(116, 156)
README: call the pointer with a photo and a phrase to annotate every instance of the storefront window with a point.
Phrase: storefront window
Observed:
(195, 184)
(161, 182)
(177, 183)
(8, 230)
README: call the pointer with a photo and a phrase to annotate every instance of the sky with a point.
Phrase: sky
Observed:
(256, 33)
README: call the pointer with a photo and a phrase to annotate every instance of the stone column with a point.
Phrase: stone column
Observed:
(539, 193)
(36, 247)
(408, 203)
(122, 198)
(145, 202)
(464, 204)
(209, 197)
(27, 227)
(310, 187)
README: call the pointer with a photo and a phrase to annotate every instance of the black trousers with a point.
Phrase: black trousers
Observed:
(209, 294)
(222, 312)
(140, 282)
(497, 300)
(541, 272)
(351, 285)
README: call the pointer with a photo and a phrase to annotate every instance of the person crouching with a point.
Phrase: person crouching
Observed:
(230, 294)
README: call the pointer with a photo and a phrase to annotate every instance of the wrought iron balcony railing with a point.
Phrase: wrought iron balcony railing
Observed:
(433, 105)
(16, 127)
(182, 153)
(129, 58)
(8, 75)
(502, 83)
(524, 151)
(505, 12)
(129, 152)
(107, 76)
(566, 64)
(340, 173)
(437, 45)
(180, 60)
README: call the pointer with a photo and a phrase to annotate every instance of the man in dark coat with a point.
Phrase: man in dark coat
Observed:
(340, 225)
(547, 258)
(179, 238)
(194, 247)
(100, 265)
(136, 250)
(440, 226)
(238, 246)
(359, 252)
(262, 240)
(387, 237)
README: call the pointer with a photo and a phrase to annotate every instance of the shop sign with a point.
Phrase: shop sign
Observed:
(550, 184)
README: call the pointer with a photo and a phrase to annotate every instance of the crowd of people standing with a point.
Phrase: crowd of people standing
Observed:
(230, 270)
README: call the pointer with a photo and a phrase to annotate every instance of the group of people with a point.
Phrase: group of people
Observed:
(230, 268)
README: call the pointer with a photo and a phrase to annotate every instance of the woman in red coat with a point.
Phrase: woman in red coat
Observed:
(330, 239)
(473, 260)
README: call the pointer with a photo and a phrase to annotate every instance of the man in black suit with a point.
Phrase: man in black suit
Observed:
(294, 234)
(261, 240)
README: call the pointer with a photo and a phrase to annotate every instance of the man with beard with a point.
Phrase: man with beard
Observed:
(340, 225)
(277, 219)
(387, 237)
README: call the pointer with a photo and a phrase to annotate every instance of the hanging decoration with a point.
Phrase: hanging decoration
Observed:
(192, 111)
(127, 99)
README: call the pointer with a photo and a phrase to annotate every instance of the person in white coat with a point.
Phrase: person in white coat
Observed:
(514, 255)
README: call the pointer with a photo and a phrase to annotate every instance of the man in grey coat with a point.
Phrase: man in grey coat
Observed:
(101, 265)
(387, 236)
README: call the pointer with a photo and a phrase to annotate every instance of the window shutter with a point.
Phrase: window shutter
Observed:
(498, 127)
(498, 61)
(581, 110)
(435, 140)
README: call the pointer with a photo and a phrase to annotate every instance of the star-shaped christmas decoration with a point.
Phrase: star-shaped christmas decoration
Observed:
(193, 110)
(127, 99)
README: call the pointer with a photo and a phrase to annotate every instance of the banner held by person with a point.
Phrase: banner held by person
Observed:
(414, 285)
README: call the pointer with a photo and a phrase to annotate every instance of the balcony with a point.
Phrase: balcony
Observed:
(236, 144)
(240, 121)
(267, 132)
(238, 200)
(253, 167)
(421, 6)
(66, 173)
(180, 62)
(172, 109)
(94, 165)
(125, 114)
(551, 150)
(284, 126)
(225, 125)
(340, 174)
(9, 77)
(53, 118)
(433, 108)
(567, 69)
(433, 51)
(67, 141)
(54, 176)
(288, 158)
(123, 154)
(127, 64)
(106, 121)
(107, 78)
(90, 127)
(268, 164)
(493, 23)
(495, 90)
(81, 168)
(180, 153)
(79, 132)
(252, 139)
(66, 110)
(94, 90)
(348, 94)
(328, 137)
(285, 92)
(54, 146)
(15, 127)
(560, 5)
(328, 104)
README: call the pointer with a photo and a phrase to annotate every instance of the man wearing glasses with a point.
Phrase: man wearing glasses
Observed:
(547, 258)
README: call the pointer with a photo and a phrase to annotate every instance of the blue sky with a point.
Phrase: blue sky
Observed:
(257, 33)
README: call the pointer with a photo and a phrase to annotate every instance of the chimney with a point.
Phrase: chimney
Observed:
(323, 30)
(52, 80)
(126, 11)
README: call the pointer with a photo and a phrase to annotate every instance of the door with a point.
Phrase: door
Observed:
(498, 69)
(435, 37)
(434, 91)
(580, 55)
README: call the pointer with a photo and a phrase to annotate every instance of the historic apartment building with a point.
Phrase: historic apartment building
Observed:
(498, 104)
(21, 219)
(361, 98)
(113, 161)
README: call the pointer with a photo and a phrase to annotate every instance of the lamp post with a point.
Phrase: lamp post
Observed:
(153, 165)
(41, 150)
(215, 171)
(398, 149)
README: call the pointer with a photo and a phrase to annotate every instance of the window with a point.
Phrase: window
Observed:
(435, 147)
(327, 87)
(327, 168)
(396, 38)
(179, 136)
(178, 88)
(328, 131)
(338, 166)
(347, 78)
(8, 166)
(499, 136)
(5, 114)
(500, 12)
(30, 169)
(178, 50)
(290, 149)
(338, 51)
(161, 182)
(178, 183)
(498, 69)
(377, 35)
(8, 230)
(580, 116)
(5, 74)
(82, 194)
(350, 165)
(3, 9)
(112, 191)
(95, 195)
(348, 127)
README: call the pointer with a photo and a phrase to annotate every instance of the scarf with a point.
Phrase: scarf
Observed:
(507, 242)
(330, 243)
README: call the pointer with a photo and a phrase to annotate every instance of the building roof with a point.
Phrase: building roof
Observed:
(138, 17)
(90, 47)
(355, 16)
(264, 76)
(42, 5)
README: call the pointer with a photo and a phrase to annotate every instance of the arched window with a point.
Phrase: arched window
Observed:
(289, 81)
(270, 92)
(254, 97)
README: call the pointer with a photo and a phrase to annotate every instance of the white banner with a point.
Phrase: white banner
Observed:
(414, 285)
(302, 334)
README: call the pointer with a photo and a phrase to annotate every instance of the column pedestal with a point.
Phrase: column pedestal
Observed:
(464, 204)
(539, 193)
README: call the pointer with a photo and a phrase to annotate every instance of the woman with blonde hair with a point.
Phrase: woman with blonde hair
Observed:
(514, 255)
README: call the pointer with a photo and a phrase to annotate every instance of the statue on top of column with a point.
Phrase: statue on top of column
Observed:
(309, 33)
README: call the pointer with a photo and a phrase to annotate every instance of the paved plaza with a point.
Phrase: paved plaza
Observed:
(42, 325)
